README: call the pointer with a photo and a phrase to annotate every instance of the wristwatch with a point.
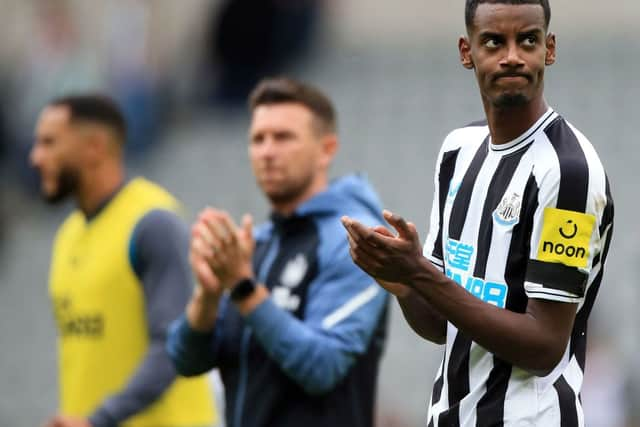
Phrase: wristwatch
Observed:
(242, 289)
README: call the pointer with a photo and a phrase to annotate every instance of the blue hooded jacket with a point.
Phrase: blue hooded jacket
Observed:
(309, 355)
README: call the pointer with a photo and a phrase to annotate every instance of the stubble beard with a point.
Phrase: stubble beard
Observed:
(290, 193)
(508, 101)
(68, 180)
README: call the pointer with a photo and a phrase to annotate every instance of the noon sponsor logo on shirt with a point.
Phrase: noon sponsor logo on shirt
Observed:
(565, 237)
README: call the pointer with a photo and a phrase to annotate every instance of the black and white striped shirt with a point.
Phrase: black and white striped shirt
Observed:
(528, 219)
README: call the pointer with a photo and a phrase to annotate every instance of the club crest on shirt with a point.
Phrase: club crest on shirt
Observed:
(508, 211)
(294, 271)
(291, 276)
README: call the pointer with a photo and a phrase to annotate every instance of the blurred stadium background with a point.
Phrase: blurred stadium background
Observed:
(181, 69)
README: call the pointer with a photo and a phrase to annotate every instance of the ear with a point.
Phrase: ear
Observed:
(550, 55)
(464, 47)
(329, 147)
(97, 145)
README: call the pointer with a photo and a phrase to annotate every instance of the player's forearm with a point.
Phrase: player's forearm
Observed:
(202, 311)
(518, 338)
(422, 318)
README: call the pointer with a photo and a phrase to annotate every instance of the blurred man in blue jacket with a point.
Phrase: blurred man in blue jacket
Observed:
(299, 335)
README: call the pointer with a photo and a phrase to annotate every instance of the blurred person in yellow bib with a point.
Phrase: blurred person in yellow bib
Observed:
(119, 275)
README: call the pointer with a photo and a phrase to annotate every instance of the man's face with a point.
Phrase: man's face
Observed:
(509, 48)
(56, 153)
(285, 150)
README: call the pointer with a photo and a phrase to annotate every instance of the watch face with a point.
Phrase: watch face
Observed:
(243, 289)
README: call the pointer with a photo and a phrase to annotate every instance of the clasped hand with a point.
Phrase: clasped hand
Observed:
(393, 260)
(221, 252)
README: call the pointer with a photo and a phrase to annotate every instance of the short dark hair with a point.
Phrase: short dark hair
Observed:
(282, 90)
(472, 5)
(95, 108)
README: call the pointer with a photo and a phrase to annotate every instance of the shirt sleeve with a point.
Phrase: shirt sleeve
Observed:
(343, 310)
(194, 352)
(570, 231)
(445, 165)
(159, 256)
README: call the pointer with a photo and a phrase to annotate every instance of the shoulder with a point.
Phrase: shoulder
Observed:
(471, 134)
(148, 193)
(159, 236)
(568, 142)
(566, 153)
(159, 220)
(591, 156)
(158, 228)
(568, 170)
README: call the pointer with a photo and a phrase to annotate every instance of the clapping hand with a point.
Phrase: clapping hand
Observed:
(392, 260)
(221, 252)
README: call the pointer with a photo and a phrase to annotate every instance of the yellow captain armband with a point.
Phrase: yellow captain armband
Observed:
(566, 237)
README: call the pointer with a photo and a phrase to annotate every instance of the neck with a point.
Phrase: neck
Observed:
(98, 185)
(286, 208)
(506, 124)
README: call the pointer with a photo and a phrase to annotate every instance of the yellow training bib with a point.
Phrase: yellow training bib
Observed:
(100, 313)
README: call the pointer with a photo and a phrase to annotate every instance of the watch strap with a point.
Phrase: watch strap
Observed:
(242, 289)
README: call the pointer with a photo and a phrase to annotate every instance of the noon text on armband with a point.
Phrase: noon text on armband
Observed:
(560, 249)
(565, 237)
